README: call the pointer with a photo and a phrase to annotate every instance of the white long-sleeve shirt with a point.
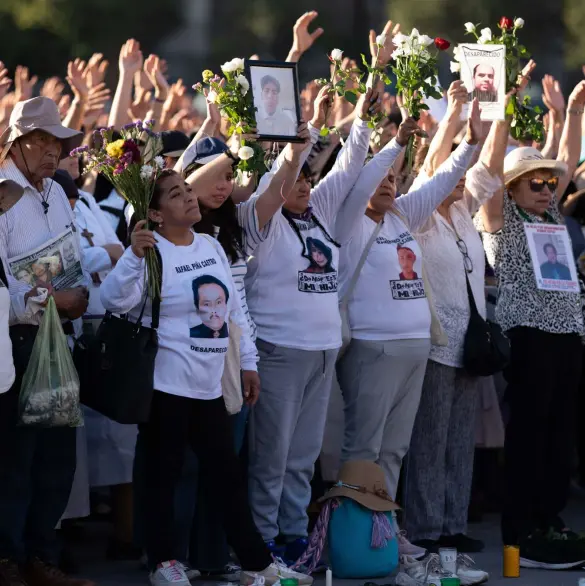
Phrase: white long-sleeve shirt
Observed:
(26, 226)
(445, 269)
(293, 298)
(389, 300)
(193, 337)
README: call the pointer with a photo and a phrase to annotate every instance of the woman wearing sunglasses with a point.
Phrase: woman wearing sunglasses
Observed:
(544, 328)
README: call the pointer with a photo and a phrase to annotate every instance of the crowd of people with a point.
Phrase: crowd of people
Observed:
(340, 231)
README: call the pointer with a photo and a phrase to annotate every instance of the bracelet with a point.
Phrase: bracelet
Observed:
(230, 155)
(575, 111)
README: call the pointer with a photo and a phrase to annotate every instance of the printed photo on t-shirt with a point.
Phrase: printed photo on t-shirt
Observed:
(320, 276)
(409, 283)
(210, 296)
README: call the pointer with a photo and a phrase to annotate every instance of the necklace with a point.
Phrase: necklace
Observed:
(548, 218)
(44, 200)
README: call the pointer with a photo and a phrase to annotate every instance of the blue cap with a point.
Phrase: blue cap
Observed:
(203, 151)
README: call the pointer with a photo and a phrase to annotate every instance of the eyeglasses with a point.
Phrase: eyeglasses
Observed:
(537, 185)
(467, 262)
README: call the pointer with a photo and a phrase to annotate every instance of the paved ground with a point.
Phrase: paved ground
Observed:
(91, 554)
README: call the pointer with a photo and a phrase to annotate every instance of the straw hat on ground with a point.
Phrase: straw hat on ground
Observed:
(38, 114)
(526, 159)
(365, 483)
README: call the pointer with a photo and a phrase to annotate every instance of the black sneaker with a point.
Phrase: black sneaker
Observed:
(552, 551)
(230, 573)
(430, 545)
(463, 543)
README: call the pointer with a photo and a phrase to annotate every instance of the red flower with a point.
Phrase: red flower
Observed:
(506, 23)
(442, 44)
(131, 147)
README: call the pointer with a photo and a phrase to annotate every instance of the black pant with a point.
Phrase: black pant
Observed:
(37, 466)
(543, 378)
(174, 423)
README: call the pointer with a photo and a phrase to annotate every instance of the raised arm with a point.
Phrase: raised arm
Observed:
(553, 99)
(129, 63)
(302, 39)
(154, 70)
(570, 146)
(370, 177)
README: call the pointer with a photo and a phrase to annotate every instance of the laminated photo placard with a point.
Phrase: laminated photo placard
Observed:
(483, 72)
(552, 257)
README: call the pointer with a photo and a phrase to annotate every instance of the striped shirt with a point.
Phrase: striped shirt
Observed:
(26, 226)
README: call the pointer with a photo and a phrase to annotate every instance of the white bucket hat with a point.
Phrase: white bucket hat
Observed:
(525, 159)
(38, 114)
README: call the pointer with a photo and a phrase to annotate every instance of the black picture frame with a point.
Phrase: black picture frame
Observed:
(249, 67)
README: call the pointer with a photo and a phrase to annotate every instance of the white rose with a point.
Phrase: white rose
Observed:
(243, 83)
(337, 54)
(397, 53)
(425, 41)
(414, 34)
(212, 97)
(159, 161)
(469, 27)
(486, 35)
(455, 67)
(245, 153)
(146, 172)
(457, 53)
(381, 40)
(228, 67)
(400, 39)
(238, 64)
(519, 23)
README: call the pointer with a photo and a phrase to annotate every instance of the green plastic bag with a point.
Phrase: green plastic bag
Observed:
(49, 394)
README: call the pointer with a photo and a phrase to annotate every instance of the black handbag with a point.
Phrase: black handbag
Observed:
(116, 366)
(486, 349)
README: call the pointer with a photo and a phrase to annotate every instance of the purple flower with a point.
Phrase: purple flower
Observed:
(119, 170)
(132, 125)
(79, 150)
(147, 124)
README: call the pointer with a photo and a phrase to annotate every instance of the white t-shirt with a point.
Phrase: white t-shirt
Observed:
(389, 301)
(6, 363)
(198, 300)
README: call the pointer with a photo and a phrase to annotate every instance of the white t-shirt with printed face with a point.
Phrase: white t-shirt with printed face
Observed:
(293, 298)
(389, 301)
(6, 362)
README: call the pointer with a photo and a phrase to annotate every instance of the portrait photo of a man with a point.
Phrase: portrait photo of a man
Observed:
(275, 99)
(552, 268)
(484, 89)
(211, 298)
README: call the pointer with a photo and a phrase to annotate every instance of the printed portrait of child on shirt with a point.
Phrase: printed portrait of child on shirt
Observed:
(406, 260)
(211, 304)
(321, 257)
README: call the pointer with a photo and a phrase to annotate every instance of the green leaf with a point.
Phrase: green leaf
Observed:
(351, 97)
(365, 61)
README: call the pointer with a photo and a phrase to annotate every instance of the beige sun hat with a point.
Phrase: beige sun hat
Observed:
(38, 114)
(365, 483)
(525, 159)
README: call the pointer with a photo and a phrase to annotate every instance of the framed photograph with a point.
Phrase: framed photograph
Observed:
(552, 257)
(275, 92)
(483, 72)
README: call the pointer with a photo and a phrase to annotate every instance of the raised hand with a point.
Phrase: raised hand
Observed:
(96, 69)
(409, 127)
(154, 70)
(142, 239)
(53, 89)
(525, 74)
(140, 107)
(456, 97)
(213, 113)
(23, 84)
(552, 96)
(308, 96)
(5, 81)
(131, 59)
(77, 80)
(175, 97)
(382, 47)
(303, 39)
(577, 97)
(322, 106)
(369, 104)
(474, 125)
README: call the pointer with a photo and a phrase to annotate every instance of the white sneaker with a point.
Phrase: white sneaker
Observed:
(169, 573)
(272, 574)
(467, 573)
(406, 548)
(190, 572)
(427, 572)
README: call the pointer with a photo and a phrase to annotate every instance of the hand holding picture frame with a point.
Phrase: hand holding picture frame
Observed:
(275, 93)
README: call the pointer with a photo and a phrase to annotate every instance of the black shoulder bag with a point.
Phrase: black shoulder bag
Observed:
(486, 349)
(116, 367)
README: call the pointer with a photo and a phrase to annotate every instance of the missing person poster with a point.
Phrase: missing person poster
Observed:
(552, 257)
(483, 72)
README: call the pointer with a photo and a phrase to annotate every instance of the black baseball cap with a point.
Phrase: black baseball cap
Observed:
(174, 143)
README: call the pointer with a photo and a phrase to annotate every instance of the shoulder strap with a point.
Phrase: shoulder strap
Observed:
(155, 315)
(114, 211)
(3, 276)
(360, 264)
(472, 305)
(83, 200)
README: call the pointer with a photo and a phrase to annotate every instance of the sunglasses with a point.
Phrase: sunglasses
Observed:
(537, 185)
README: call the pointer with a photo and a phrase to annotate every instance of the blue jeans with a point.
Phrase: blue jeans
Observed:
(37, 466)
(199, 533)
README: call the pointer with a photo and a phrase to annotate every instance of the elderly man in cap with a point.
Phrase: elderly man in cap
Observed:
(37, 465)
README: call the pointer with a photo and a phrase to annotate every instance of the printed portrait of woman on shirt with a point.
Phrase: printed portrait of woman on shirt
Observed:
(321, 257)
(406, 259)
(211, 297)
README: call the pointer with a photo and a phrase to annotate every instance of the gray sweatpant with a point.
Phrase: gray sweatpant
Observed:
(286, 432)
(439, 467)
(381, 384)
